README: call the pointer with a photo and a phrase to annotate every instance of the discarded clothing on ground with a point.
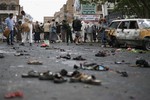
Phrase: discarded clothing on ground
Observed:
(44, 45)
(15, 94)
(91, 66)
(142, 63)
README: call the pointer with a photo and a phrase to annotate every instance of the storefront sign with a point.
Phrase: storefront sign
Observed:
(88, 9)
(90, 17)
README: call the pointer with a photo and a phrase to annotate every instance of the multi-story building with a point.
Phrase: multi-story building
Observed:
(63, 13)
(7, 7)
(48, 18)
(57, 16)
(69, 10)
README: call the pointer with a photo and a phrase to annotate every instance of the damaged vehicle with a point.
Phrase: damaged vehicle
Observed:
(132, 32)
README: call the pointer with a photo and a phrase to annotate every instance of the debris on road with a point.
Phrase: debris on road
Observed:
(14, 95)
(34, 62)
(31, 74)
(1, 55)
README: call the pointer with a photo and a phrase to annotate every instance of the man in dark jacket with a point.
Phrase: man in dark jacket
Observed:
(67, 29)
(76, 24)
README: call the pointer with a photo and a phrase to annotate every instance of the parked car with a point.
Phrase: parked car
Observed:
(133, 32)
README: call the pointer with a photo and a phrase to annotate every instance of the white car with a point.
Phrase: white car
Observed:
(134, 32)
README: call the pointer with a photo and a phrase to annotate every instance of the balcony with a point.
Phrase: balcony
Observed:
(9, 7)
(6, 9)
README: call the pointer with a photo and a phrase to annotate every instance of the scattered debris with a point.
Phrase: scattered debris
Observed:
(79, 58)
(14, 94)
(21, 54)
(31, 74)
(121, 62)
(142, 63)
(84, 78)
(91, 66)
(123, 74)
(68, 56)
(44, 45)
(101, 54)
(1, 55)
(59, 77)
(35, 62)
(48, 75)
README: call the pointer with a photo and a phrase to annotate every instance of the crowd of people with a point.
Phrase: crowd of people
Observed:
(76, 32)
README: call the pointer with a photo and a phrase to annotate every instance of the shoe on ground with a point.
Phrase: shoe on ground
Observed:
(48, 75)
(22, 44)
(1, 55)
(35, 62)
(31, 74)
(63, 72)
(79, 58)
(58, 78)
(30, 44)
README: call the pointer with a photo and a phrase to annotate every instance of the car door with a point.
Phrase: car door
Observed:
(132, 34)
(122, 30)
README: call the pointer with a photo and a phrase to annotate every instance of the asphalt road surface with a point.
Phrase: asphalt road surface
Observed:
(113, 87)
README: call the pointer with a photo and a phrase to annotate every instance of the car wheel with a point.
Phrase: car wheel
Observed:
(147, 45)
(115, 42)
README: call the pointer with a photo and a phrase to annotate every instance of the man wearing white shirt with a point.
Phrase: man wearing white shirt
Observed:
(27, 33)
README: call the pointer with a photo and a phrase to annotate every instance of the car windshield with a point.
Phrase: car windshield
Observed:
(144, 24)
(114, 25)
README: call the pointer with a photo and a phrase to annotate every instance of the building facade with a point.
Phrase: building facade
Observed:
(7, 7)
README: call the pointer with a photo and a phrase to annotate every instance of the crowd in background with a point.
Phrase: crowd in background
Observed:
(76, 32)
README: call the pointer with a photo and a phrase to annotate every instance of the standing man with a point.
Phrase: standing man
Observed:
(27, 20)
(76, 25)
(53, 34)
(46, 30)
(67, 30)
(10, 24)
(37, 32)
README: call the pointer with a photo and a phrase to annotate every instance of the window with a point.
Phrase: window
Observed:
(133, 25)
(3, 6)
(114, 24)
(99, 7)
(12, 7)
(124, 25)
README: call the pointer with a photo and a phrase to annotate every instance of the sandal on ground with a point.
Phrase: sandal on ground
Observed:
(59, 79)
(90, 79)
(34, 62)
(31, 74)
(79, 58)
(48, 75)
(93, 82)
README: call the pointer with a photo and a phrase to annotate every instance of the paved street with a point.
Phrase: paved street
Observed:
(113, 87)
